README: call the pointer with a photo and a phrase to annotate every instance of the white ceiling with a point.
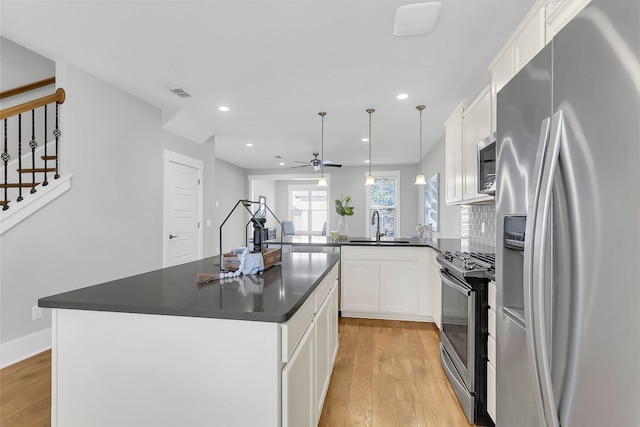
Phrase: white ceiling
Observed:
(276, 64)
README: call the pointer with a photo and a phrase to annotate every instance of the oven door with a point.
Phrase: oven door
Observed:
(458, 326)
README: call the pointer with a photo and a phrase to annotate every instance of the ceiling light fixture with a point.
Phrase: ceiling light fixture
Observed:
(365, 139)
(248, 144)
(402, 96)
(322, 181)
(281, 163)
(420, 180)
(370, 180)
(419, 18)
(223, 108)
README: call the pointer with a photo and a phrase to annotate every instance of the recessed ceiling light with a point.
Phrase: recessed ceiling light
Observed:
(223, 108)
(281, 163)
(248, 144)
(402, 96)
(365, 139)
(367, 161)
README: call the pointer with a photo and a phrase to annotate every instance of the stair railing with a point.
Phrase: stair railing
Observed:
(58, 98)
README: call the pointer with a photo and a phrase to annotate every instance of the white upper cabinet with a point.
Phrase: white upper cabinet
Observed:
(476, 126)
(526, 41)
(560, 12)
(453, 155)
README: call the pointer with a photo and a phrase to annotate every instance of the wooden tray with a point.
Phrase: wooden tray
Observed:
(270, 256)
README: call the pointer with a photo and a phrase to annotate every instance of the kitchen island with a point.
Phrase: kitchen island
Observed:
(159, 349)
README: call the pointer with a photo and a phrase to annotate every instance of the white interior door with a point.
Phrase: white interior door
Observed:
(182, 209)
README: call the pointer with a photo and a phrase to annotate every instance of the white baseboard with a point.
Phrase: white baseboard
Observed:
(387, 316)
(22, 348)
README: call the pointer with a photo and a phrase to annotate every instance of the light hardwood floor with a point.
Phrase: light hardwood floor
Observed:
(387, 374)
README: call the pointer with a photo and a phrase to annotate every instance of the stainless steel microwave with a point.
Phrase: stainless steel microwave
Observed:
(487, 165)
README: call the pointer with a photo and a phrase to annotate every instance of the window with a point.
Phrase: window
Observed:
(308, 208)
(384, 197)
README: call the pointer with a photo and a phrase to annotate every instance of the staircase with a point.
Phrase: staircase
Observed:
(29, 168)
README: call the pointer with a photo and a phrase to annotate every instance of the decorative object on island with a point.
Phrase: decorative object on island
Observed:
(370, 180)
(230, 260)
(322, 181)
(431, 204)
(420, 180)
(343, 208)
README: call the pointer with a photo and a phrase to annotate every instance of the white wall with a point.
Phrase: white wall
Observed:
(109, 224)
(349, 180)
(231, 186)
(448, 216)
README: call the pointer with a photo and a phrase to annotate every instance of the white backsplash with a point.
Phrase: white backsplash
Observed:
(478, 224)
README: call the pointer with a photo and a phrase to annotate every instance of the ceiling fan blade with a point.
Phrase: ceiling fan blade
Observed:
(301, 166)
(333, 165)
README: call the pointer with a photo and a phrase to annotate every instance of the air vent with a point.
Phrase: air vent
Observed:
(180, 92)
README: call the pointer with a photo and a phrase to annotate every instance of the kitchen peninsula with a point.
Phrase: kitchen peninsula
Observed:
(159, 349)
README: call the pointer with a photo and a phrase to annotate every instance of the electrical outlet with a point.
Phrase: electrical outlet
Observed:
(208, 223)
(36, 312)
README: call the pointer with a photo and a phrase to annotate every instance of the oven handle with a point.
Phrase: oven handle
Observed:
(453, 284)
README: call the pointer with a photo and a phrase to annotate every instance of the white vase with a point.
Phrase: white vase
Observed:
(343, 227)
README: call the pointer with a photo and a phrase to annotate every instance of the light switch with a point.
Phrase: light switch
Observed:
(208, 223)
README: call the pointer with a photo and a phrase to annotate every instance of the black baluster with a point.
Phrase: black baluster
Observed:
(57, 134)
(5, 159)
(19, 199)
(46, 180)
(33, 144)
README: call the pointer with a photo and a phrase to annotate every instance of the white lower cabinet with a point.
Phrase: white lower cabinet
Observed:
(386, 283)
(360, 285)
(399, 287)
(307, 372)
(298, 401)
(491, 353)
(436, 287)
(326, 339)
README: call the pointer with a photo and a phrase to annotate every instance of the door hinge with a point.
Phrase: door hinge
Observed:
(198, 225)
(198, 181)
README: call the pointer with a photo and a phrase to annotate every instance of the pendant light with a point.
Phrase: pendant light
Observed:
(370, 180)
(322, 181)
(420, 180)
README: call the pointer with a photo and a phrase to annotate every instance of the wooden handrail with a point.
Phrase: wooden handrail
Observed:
(27, 87)
(57, 97)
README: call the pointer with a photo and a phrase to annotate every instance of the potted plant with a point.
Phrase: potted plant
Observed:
(344, 209)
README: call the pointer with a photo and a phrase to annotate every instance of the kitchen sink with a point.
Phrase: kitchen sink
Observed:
(388, 241)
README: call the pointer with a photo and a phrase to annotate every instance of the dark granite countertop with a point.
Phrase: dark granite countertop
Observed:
(435, 243)
(273, 296)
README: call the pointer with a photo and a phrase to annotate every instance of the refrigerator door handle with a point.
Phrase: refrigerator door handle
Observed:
(535, 269)
(529, 245)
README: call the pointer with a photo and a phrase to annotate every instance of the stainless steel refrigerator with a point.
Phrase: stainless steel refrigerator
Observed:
(568, 228)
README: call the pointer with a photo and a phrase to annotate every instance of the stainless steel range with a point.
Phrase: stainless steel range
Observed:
(463, 347)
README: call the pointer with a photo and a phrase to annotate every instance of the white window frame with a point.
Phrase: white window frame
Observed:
(384, 174)
(307, 187)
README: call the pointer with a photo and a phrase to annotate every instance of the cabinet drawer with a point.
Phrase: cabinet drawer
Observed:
(492, 294)
(293, 329)
(321, 291)
(492, 322)
(491, 349)
(491, 391)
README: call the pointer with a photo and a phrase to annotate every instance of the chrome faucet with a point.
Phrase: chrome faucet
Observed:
(373, 221)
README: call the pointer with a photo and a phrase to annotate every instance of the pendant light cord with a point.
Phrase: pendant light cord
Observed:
(370, 111)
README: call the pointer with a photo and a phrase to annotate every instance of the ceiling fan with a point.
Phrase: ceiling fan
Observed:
(317, 163)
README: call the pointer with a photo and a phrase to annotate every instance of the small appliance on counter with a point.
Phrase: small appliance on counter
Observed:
(229, 261)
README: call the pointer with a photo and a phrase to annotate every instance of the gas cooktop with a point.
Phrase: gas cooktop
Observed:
(468, 264)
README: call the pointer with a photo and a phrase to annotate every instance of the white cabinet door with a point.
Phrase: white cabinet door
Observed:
(333, 327)
(298, 388)
(360, 286)
(453, 155)
(434, 270)
(322, 330)
(399, 287)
